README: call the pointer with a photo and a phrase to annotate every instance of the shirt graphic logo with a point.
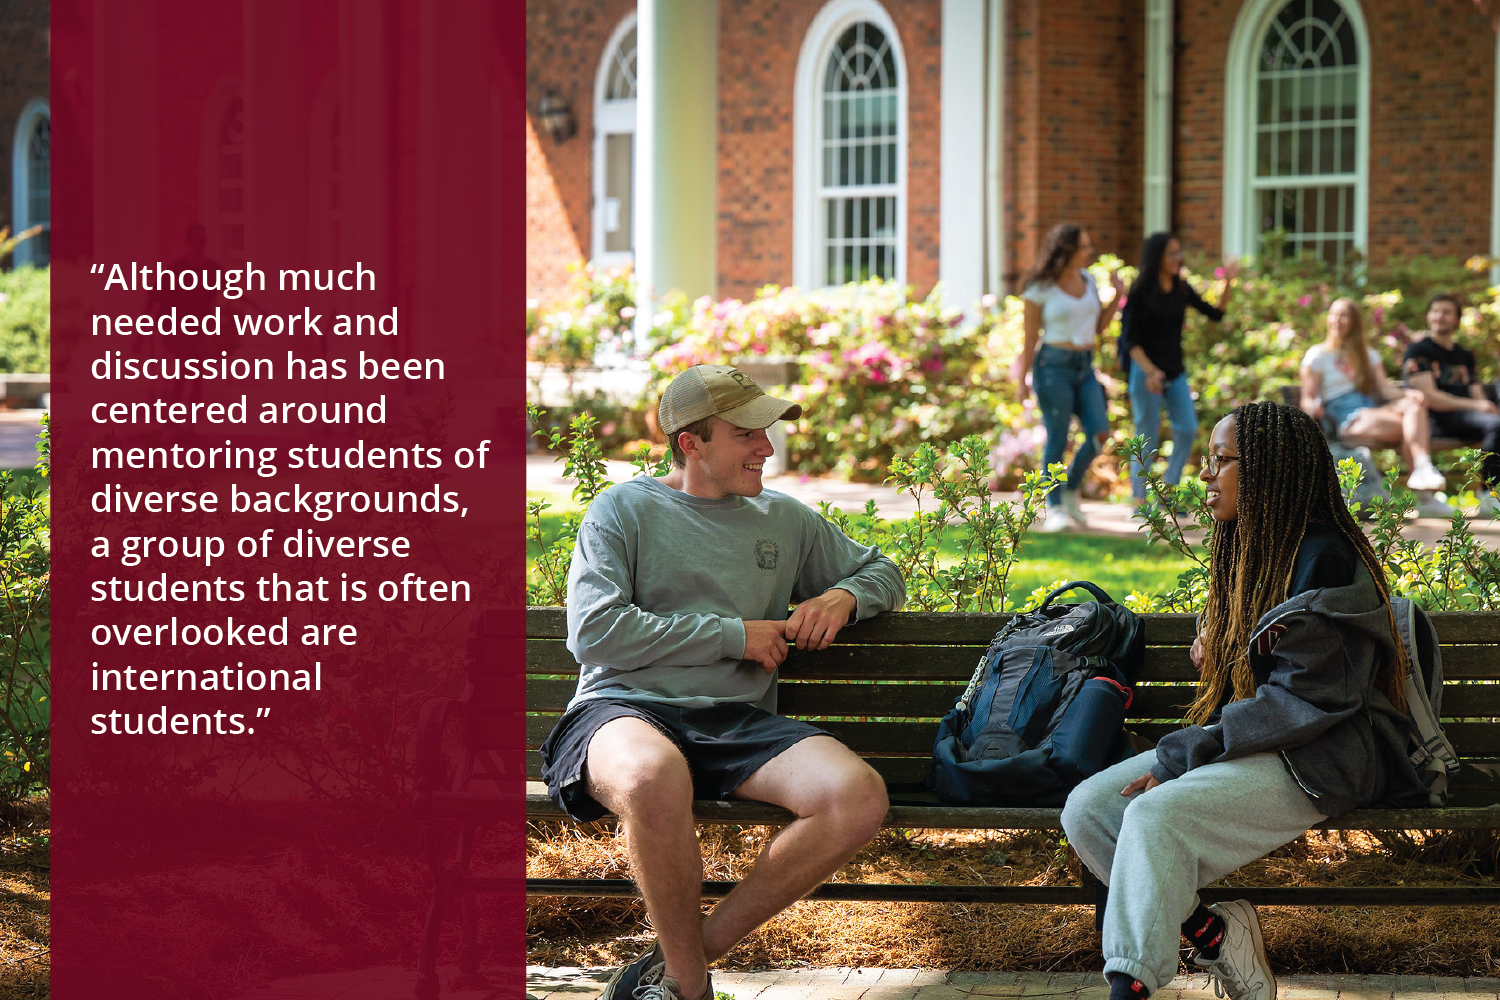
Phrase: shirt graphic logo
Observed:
(766, 553)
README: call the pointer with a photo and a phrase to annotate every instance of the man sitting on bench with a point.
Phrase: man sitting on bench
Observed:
(677, 614)
(1445, 374)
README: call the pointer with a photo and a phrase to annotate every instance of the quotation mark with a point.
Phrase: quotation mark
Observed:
(96, 269)
(260, 713)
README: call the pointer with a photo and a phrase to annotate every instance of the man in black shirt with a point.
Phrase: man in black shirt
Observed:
(1445, 374)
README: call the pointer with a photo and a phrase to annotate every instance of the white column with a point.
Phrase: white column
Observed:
(994, 151)
(276, 132)
(127, 220)
(1158, 165)
(676, 189)
(1495, 180)
(962, 140)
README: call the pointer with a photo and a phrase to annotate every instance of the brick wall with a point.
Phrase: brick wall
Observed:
(760, 41)
(1075, 84)
(565, 41)
(24, 54)
(1432, 91)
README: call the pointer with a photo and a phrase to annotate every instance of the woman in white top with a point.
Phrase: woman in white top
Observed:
(1345, 388)
(1063, 317)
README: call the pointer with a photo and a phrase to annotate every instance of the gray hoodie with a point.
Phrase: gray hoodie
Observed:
(1315, 658)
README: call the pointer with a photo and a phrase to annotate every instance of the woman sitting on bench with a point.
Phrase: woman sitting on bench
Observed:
(1299, 714)
(1344, 386)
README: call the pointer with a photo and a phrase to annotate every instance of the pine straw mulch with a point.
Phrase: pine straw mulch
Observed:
(1407, 940)
(25, 899)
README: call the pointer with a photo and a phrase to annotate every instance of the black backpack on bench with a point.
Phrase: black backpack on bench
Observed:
(1046, 706)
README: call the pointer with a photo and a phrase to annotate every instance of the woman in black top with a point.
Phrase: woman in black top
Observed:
(1151, 350)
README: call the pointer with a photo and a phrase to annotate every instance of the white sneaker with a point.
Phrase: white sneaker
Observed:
(1426, 477)
(1241, 972)
(1057, 520)
(1075, 510)
(1488, 507)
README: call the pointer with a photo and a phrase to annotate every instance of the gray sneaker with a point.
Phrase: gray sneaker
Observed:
(648, 969)
(1241, 972)
(668, 989)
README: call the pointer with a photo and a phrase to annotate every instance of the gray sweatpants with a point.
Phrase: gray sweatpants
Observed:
(1156, 849)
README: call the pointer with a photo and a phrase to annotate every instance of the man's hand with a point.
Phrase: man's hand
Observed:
(765, 644)
(1156, 381)
(817, 620)
(1144, 783)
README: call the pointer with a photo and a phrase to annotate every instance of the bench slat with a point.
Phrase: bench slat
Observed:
(956, 663)
(949, 628)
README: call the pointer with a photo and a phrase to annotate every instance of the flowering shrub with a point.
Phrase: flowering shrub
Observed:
(881, 372)
(597, 319)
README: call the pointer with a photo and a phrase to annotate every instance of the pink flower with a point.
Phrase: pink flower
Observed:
(1218, 272)
(988, 301)
(1377, 315)
(1305, 301)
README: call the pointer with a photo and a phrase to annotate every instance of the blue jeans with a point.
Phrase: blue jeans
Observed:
(1145, 409)
(1065, 385)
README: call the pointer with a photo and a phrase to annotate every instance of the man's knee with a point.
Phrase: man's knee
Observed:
(859, 803)
(651, 780)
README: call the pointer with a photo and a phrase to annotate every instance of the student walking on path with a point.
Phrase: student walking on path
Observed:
(1299, 715)
(1151, 352)
(1063, 319)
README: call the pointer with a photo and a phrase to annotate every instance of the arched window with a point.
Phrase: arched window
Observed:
(229, 183)
(850, 160)
(1303, 112)
(31, 183)
(614, 149)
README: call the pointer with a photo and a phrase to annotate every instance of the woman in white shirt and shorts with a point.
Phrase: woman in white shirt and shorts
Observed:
(1063, 318)
(1345, 388)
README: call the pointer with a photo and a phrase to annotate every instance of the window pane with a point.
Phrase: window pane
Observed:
(619, 191)
(1307, 112)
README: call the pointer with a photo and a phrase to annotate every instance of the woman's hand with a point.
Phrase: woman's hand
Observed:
(1196, 654)
(1231, 269)
(1144, 783)
(1018, 375)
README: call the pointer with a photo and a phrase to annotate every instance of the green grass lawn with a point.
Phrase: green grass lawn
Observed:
(1119, 565)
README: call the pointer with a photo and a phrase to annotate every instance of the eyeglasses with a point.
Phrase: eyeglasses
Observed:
(1213, 463)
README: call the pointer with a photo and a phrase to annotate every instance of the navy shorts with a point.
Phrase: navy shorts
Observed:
(723, 745)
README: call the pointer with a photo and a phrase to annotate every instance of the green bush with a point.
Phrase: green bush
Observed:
(25, 320)
(25, 600)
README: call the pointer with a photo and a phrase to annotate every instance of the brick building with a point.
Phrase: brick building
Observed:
(720, 147)
(26, 125)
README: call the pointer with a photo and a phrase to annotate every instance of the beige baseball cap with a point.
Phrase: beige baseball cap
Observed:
(705, 390)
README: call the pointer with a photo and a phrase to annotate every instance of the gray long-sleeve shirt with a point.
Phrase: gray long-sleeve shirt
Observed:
(663, 582)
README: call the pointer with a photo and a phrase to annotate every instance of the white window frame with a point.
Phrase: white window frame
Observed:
(1240, 235)
(20, 173)
(807, 103)
(614, 118)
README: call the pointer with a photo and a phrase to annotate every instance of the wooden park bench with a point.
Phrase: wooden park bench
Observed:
(880, 689)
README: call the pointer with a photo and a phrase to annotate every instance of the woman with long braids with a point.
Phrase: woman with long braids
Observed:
(1344, 386)
(1064, 314)
(1299, 714)
(1151, 345)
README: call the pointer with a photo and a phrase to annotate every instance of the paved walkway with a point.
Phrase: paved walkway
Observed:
(544, 474)
(396, 983)
(18, 434)
(917, 984)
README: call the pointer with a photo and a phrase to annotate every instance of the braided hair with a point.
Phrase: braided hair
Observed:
(1287, 479)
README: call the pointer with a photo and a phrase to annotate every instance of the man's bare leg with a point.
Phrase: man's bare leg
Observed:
(639, 775)
(839, 801)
